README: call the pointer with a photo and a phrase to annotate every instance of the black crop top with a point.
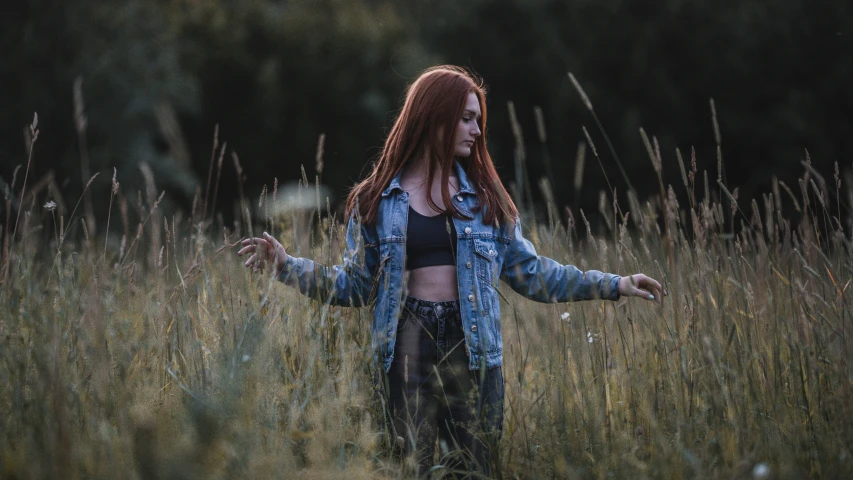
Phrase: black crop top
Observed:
(428, 241)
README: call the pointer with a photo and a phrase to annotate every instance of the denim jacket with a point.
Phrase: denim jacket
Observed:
(375, 258)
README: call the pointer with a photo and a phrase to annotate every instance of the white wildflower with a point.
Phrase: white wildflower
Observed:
(246, 358)
(50, 206)
(589, 337)
(760, 470)
(566, 316)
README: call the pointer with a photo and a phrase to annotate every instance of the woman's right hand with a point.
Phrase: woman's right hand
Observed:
(639, 285)
(263, 250)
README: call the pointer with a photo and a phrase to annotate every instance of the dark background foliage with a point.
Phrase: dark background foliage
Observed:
(158, 75)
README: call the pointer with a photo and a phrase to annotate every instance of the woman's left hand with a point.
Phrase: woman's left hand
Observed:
(639, 285)
(264, 250)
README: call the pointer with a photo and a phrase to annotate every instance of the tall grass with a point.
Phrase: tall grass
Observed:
(161, 357)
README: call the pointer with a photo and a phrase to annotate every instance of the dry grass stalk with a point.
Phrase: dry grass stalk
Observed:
(218, 176)
(540, 124)
(210, 168)
(718, 138)
(318, 159)
(81, 122)
(585, 99)
(34, 135)
(523, 194)
(113, 191)
(580, 158)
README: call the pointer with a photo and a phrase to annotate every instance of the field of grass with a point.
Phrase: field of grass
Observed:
(155, 354)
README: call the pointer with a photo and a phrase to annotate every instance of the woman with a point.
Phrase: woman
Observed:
(430, 232)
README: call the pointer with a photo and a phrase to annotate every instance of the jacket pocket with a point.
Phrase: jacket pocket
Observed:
(486, 260)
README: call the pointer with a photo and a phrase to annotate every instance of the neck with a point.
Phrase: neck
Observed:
(417, 167)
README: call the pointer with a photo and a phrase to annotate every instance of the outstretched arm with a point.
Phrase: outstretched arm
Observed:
(348, 284)
(545, 280)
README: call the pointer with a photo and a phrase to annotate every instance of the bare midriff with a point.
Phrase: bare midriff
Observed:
(435, 284)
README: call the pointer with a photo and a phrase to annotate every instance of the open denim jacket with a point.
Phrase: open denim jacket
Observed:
(375, 259)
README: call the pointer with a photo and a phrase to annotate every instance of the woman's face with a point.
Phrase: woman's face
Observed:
(468, 128)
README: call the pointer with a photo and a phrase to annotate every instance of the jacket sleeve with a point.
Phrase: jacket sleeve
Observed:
(349, 284)
(545, 280)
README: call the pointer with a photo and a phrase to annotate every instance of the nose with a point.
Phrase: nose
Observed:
(475, 131)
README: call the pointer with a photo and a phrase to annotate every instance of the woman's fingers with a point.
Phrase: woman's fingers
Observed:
(649, 289)
(638, 281)
(252, 241)
(655, 288)
(278, 255)
(640, 285)
(273, 243)
(258, 245)
(655, 285)
(261, 250)
(251, 244)
(256, 260)
(646, 294)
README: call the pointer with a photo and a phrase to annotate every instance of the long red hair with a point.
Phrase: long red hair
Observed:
(435, 103)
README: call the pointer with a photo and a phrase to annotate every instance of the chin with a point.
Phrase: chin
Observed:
(463, 151)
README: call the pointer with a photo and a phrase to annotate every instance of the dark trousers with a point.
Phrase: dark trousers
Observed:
(433, 394)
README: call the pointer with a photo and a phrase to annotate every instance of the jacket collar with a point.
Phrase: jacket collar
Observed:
(395, 184)
(464, 184)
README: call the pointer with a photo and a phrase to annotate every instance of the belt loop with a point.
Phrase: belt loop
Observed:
(411, 304)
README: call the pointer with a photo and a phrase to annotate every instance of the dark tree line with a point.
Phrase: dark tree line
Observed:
(158, 75)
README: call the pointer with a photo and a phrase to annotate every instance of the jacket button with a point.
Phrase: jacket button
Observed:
(471, 297)
(468, 264)
(467, 229)
(491, 253)
(473, 328)
(458, 198)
